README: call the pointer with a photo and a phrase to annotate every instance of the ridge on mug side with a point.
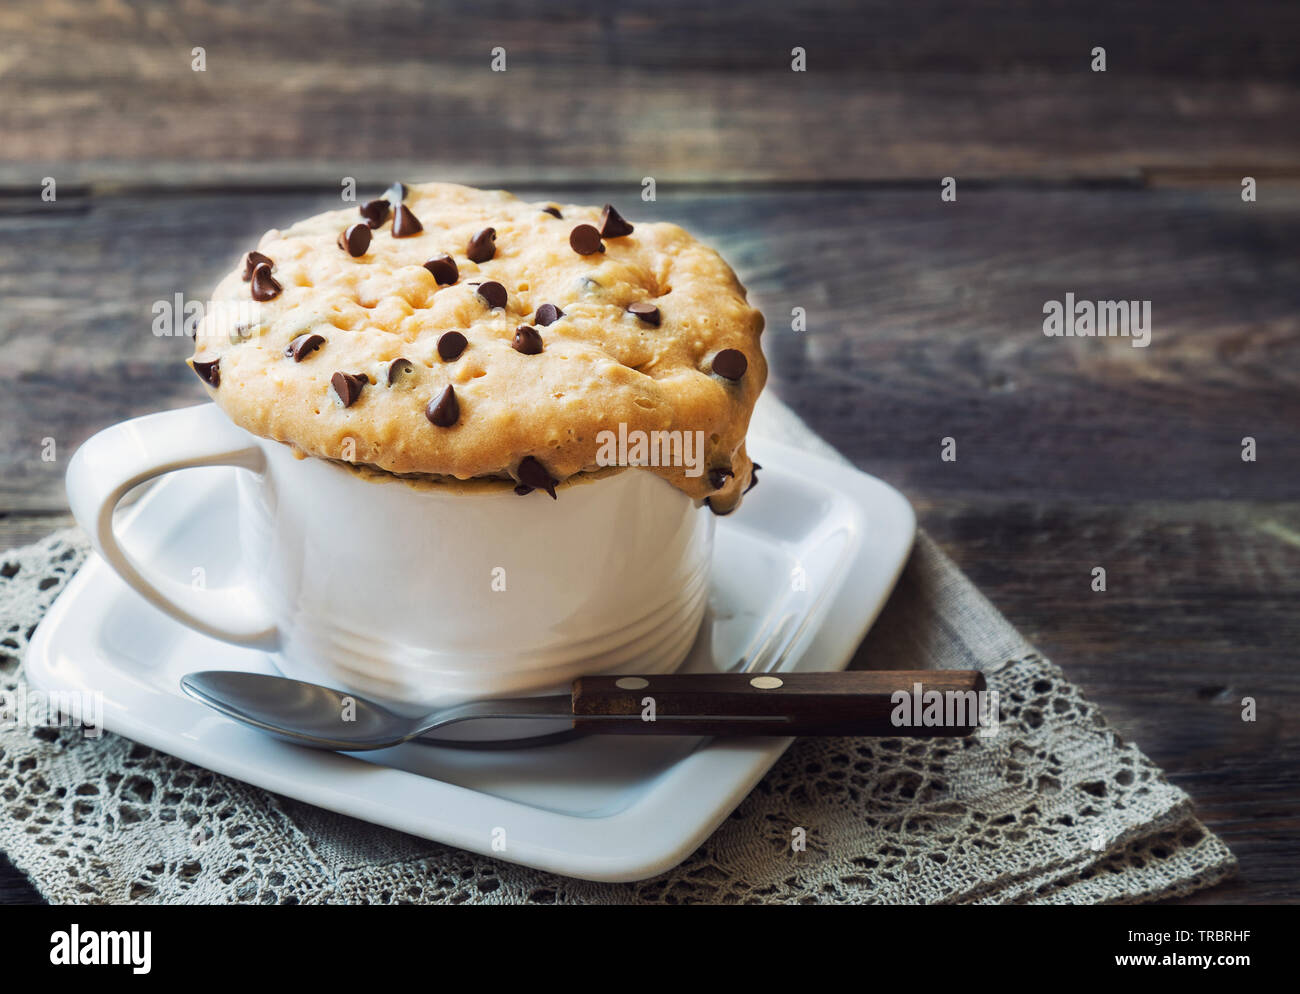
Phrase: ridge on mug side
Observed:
(416, 594)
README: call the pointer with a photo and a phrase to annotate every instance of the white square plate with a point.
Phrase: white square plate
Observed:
(612, 808)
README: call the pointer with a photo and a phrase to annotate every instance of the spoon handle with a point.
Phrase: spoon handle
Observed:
(890, 703)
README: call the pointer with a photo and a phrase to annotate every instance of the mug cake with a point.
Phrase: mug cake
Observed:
(455, 335)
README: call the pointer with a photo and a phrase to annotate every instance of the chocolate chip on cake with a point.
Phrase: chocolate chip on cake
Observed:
(528, 340)
(208, 372)
(450, 345)
(355, 240)
(612, 224)
(483, 246)
(303, 346)
(251, 261)
(444, 269)
(493, 293)
(264, 285)
(548, 314)
(399, 366)
(585, 240)
(601, 357)
(553, 211)
(405, 223)
(375, 212)
(444, 410)
(708, 502)
(753, 478)
(648, 313)
(348, 386)
(533, 475)
(730, 363)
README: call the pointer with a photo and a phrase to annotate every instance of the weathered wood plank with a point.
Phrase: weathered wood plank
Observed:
(23, 529)
(14, 888)
(676, 90)
(924, 322)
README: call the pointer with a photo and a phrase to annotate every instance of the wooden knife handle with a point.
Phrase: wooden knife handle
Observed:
(853, 702)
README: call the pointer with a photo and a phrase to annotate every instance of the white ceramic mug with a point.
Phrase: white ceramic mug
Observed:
(417, 594)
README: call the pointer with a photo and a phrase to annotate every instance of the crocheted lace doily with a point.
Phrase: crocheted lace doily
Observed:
(1054, 808)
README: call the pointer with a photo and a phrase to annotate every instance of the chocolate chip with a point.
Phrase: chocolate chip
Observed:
(376, 212)
(528, 340)
(450, 345)
(444, 410)
(208, 372)
(612, 224)
(355, 240)
(264, 285)
(708, 502)
(397, 367)
(719, 477)
(548, 314)
(405, 223)
(648, 313)
(444, 269)
(523, 490)
(252, 261)
(303, 346)
(730, 363)
(482, 246)
(493, 293)
(533, 475)
(396, 193)
(553, 211)
(585, 240)
(348, 386)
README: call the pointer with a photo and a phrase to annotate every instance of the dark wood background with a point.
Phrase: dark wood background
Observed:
(822, 188)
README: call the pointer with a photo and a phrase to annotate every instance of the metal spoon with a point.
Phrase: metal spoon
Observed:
(854, 702)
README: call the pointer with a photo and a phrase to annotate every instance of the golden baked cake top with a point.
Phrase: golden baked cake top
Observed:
(455, 332)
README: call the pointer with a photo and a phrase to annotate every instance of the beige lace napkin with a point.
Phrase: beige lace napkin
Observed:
(1053, 809)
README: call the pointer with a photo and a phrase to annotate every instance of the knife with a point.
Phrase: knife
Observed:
(908, 703)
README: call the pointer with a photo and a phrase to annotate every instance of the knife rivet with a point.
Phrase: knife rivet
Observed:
(631, 683)
(766, 682)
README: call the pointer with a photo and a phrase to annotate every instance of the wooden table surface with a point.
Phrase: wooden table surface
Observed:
(823, 189)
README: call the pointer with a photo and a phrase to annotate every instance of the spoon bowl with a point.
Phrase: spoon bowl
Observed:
(324, 718)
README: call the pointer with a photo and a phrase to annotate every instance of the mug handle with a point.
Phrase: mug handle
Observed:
(110, 463)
